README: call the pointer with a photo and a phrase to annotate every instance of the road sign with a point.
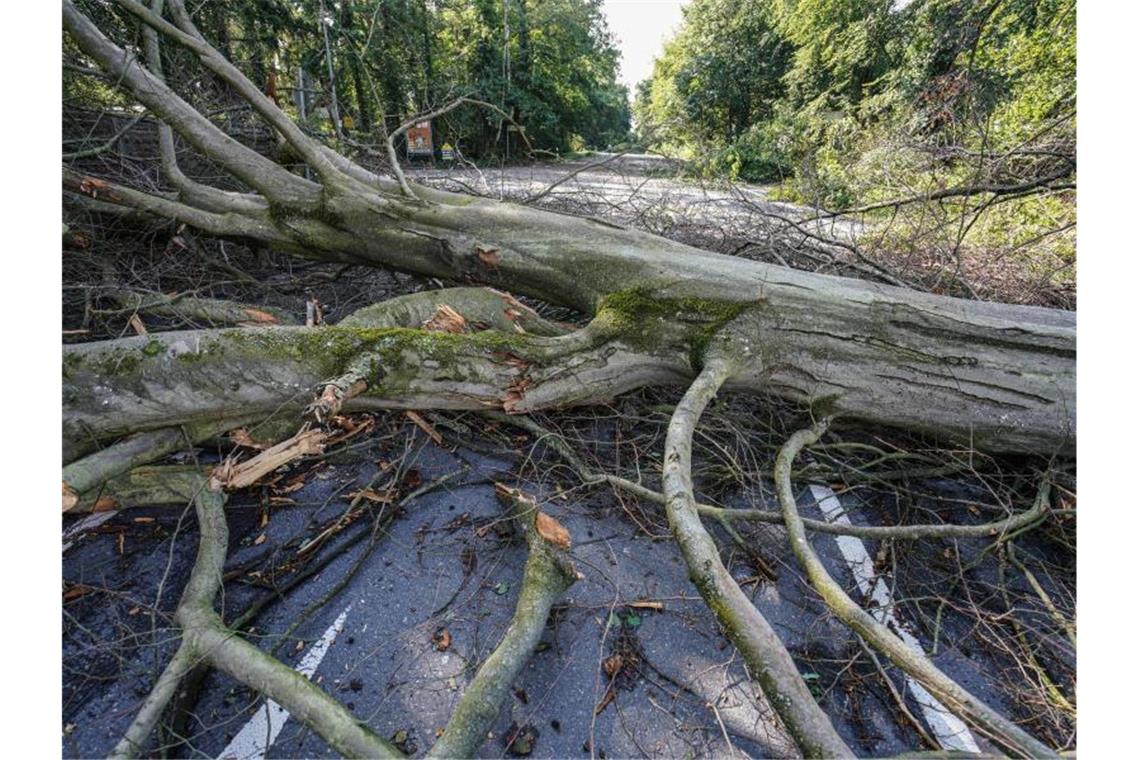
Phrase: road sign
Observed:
(419, 141)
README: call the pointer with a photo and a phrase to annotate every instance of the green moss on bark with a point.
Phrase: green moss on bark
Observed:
(647, 322)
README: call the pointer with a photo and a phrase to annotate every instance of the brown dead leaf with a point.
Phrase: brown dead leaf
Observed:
(134, 610)
(258, 317)
(144, 519)
(300, 645)
(105, 504)
(446, 319)
(412, 480)
(441, 639)
(259, 540)
(608, 697)
(241, 437)
(612, 665)
(352, 426)
(552, 531)
(76, 591)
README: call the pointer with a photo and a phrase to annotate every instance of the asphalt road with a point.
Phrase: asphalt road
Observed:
(439, 567)
(638, 189)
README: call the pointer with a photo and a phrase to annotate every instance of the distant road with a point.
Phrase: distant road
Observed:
(634, 188)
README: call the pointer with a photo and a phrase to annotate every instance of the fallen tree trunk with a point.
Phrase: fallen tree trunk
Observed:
(995, 385)
(985, 375)
(995, 376)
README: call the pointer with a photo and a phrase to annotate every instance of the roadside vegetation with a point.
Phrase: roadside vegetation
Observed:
(949, 127)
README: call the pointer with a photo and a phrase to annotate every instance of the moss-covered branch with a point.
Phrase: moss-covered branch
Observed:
(549, 572)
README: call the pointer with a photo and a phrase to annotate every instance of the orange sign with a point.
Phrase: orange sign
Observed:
(419, 140)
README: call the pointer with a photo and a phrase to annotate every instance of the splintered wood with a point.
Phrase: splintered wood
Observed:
(446, 319)
(230, 476)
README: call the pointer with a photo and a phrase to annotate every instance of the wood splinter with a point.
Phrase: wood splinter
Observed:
(229, 476)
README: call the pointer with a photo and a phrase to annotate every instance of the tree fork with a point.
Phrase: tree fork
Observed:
(993, 376)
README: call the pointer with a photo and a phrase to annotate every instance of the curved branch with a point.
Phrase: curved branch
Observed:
(767, 659)
(391, 140)
(215, 222)
(549, 572)
(915, 664)
(895, 532)
(255, 170)
(205, 638)
(193, 192)
(189, 37)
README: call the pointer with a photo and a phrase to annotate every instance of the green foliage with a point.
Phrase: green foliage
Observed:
(550, 64)
(847, 103)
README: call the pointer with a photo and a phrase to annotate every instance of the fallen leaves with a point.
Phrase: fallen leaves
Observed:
(441, 640)
(105, 504)
(241, 437)
(351, 426)
(257, 317)
(488, 256)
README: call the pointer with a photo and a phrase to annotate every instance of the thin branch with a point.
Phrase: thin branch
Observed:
(217, 63)
(915, 664)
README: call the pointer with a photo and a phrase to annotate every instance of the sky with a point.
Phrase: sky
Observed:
(640, 28)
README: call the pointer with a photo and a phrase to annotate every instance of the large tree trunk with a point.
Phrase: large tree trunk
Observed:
(990, 376)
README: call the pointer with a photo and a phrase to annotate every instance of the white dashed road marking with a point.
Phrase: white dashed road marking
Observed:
(258, 735)
(948, 729)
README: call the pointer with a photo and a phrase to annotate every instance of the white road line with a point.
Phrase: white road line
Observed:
(258, 735)
(947, 728)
